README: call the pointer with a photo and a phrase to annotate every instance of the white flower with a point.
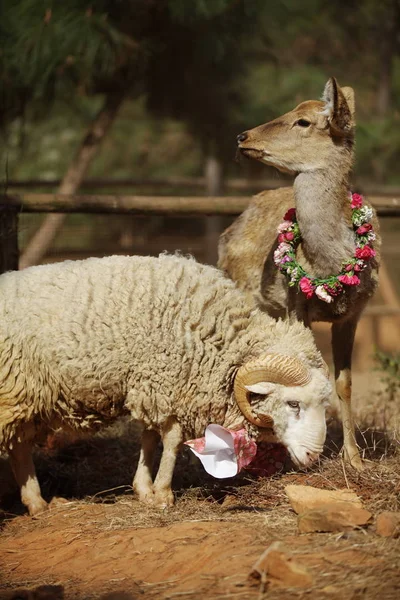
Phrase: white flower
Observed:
(365, 214)
(371, 236)
(323, 294)
(280, 252)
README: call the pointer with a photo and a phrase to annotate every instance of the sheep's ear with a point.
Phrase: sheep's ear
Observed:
(339, 107)
(264, 387)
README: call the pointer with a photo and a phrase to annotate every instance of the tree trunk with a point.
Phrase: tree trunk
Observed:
(386, 52)
(213, 177)
(44, 236)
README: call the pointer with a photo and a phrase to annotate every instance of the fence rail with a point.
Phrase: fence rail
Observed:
(232, 183)
(156, 205)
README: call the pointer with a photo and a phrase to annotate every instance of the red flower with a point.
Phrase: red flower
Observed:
(356, 201)
(306, 287)
(290, 215)
(365, 252)
(286, 237)
(364, 228)
(349, 279)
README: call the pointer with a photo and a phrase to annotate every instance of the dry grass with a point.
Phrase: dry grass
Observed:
(94, 476)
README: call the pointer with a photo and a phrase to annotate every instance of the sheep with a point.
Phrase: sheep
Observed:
(315, 142)
(169, 342)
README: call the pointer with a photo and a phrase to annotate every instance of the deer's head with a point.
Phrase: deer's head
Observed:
(313, 136)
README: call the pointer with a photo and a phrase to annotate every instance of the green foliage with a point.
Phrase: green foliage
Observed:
(215, 66)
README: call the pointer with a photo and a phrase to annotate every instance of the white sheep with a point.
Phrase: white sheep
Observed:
(170, 342)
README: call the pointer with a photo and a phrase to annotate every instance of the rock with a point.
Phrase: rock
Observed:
(278, 565)
(333, 517)
(306, 497)
(388, 524)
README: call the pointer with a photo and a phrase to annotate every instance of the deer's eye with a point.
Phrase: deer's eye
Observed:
(294, 404)
(303, 123)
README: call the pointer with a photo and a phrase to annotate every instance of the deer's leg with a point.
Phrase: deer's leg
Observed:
(172, 439)
(342, 346)
(25, 475)
(143, 482)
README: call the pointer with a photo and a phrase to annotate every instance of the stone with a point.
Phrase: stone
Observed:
(334, 517)
(306, 497)
(388, 524)
(278, 566)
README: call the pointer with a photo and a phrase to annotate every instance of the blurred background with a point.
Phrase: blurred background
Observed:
(146, 97)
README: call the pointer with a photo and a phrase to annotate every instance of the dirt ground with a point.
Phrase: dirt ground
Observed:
(102, 543)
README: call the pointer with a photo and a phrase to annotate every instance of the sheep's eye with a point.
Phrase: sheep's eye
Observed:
(303, 123)
(294, 404)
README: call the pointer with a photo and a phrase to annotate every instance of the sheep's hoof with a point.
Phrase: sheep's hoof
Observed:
(146, 497)
(37, 507)
(164, 499)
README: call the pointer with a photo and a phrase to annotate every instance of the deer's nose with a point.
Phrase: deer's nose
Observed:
(242, 137)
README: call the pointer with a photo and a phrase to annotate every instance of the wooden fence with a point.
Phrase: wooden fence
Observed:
(12, 204)
(386, 206)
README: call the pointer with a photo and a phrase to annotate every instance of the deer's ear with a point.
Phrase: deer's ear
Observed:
(339, 107)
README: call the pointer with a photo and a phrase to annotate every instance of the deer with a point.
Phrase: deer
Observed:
(321, 263)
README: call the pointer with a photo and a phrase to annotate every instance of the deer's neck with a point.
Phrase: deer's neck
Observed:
(324, 216)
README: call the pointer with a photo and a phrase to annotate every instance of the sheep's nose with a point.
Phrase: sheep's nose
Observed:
(242, 137)
(312, 456)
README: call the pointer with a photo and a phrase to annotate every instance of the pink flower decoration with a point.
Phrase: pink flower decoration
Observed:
(349, 279)
(356, 201)
(364, 228)
(306, 287)
(290, 215)
(286, 237)
(284, 226)
(365, 252)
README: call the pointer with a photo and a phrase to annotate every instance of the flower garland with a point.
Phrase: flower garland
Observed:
(289, 237)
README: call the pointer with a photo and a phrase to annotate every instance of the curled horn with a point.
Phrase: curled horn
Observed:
(275, 368)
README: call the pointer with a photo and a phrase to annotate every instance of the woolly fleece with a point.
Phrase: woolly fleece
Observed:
(83, 342)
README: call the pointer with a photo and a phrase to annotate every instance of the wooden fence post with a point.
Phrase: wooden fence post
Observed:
(9, 253)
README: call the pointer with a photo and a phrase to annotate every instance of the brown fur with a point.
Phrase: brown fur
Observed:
(321, 157)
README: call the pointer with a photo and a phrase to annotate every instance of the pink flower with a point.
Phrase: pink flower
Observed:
(365, 252)
(349, 268)
(364, 228)
(290, 215)
(306, 287)
(349, 279)
(286, 237)
(356, 201)
(284, 226)
(286, 259)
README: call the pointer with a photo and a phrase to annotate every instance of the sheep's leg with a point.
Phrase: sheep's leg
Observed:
(25, 475)
(172, 439)
(143, 482)
(342, 346)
